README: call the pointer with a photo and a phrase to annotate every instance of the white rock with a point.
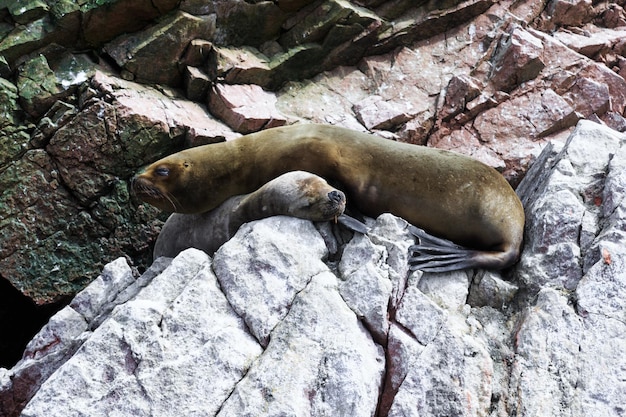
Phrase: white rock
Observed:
(263, 268)
(320, 362)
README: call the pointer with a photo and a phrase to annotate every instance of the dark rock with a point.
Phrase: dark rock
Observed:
(320, 24)
(614, 16)
(246, 23)
(105, 20)
(425, 20)
(26, 11)
(10, 113)
(168, 40)
(41, 82)
(196, 84)
(197, 53)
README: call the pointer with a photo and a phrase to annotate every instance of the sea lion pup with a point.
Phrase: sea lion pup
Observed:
(450, 196)
(298, 194)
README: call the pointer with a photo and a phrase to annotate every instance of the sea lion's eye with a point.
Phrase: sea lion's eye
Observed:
(162, 171)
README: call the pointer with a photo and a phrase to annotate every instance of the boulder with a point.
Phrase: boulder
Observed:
(245, 108)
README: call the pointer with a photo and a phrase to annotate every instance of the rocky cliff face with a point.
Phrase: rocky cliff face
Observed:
(269, 326)
(91, 92)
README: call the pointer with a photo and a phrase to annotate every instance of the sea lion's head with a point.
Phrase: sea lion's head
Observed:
(195, 180)
(308, 196)
(162, 184)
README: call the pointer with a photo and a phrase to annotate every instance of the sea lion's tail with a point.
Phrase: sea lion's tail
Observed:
(434, 254)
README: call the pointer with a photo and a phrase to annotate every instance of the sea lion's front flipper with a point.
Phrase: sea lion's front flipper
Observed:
(352, 224)
(434, 254)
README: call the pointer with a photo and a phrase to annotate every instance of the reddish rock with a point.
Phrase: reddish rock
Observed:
(197, 53)
(516, 60)
(460, 91)
(615, 121)
(245, 108)
(614, 16)
(245, 65)
(589, 97)
(589, 44)
(417, 130)
(531, 116)
(376, 113)
(569, 12)
(465, 142)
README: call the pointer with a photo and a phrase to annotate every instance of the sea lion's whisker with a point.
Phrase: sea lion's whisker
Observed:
(172, 200)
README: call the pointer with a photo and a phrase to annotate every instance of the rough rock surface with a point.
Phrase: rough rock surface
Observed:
(270, 327)
(497, 80)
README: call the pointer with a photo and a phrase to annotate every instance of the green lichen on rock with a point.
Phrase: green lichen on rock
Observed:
(13, 143)
(26, 38)
(9, 108)
(45, 232)
(36, 78)
(24, 11)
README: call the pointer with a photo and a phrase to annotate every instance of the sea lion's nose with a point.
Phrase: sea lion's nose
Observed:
(336, 196)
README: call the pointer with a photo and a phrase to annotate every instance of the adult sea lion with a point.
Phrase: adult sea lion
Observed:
(298, 194)
(448, 195)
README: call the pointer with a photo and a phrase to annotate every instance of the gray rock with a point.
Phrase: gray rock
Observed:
(569, 190)
(319, 362)
(153, 343)
(256, 270)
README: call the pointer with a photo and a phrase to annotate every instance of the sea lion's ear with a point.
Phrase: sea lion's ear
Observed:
(162, 171)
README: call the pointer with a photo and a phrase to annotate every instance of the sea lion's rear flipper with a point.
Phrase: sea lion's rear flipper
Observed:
(352, 224)
(434, 254)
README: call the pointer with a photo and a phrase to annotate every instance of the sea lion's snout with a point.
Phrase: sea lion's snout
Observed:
(336, 197)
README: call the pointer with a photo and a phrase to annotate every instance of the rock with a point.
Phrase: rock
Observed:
(516, 60)
(240, 22)
(25, 12)
(376, 113)
(554, 246)
(196, 84)
(489, 289)
(245, 108)
(553, 115)
(167, 40)
(341, 374)
(246, 65)
(38, 86)
(614, 16)
(569, 13)
(90, 152)
(460, 91)
(11, 110)
(156, 339)
(320, 25)
(142, 361)
(237, 267)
